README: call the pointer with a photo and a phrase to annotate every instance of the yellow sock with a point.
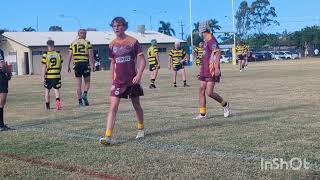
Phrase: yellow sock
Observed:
(140, 125)
(203, 110)
(108, 133)
(223, 103)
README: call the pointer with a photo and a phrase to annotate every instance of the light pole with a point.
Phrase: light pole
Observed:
(149, 14)
(72, 17)
(233, 25)
(190, 21)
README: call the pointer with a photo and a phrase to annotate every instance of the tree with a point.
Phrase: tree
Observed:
(196, 27)
(166, 28)
(55, 28)
(243, 20)
(3, 30)
(213, 23)
(28, 29)
(226, 38)
(91, 29)
(263, 15)
(196, 39)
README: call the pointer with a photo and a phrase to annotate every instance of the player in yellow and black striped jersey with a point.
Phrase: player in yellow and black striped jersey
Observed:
(241, 51)
(81, 52)
(154, 66)
(199, 52)
(178, 58)
(52, 65)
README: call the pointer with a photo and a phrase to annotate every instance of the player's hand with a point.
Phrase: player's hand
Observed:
(93, 68)
(69, 69)
(217, 72)
(169, 67)
(136, 79)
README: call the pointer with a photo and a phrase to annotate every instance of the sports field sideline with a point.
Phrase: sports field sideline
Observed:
(275, 114)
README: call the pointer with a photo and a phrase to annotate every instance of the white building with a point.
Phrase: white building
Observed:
(24, 49)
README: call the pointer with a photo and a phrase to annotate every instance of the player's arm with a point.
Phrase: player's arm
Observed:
(112, 69)
(44, 71)
(70, 55)
(169, 62)
(141, 68)
(91, 60)
(215, 60)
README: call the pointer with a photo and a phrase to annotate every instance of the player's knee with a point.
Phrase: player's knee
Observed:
(209, 93)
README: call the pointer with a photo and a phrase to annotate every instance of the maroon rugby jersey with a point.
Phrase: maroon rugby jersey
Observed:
(208, 48)
(124, 52)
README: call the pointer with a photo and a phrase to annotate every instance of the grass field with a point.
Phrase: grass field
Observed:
(275, 114)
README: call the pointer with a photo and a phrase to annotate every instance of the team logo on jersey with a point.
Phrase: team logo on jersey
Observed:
(117, 91)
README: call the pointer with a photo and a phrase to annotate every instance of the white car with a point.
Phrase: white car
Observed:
(224, 59)
(288, 55)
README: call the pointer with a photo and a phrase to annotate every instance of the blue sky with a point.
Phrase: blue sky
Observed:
(17, 14)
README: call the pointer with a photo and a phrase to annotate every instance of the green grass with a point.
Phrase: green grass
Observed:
(275, 107)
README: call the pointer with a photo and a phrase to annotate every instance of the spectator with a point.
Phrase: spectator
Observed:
(97, 62)
(316, 52)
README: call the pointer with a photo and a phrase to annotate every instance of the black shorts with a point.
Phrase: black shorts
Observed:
(82, 69)
(4, 83)
(127, 92)
(52, 83)
(241, 57)
(178, 67)
(153, 67)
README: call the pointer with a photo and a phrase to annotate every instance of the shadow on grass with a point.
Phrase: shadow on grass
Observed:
(64, 119)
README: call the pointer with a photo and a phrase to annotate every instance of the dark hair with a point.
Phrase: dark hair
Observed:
(50, 43)
(82, 30)
(120, 20)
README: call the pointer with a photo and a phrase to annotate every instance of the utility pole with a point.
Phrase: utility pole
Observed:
(181, 25)
(37, 23)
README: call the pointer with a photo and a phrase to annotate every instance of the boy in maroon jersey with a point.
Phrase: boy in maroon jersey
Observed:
(209, 72)
(124, 51)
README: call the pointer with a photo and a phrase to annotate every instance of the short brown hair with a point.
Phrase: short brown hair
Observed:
(120, 20)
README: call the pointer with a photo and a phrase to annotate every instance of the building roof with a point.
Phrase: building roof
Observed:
(30, 39)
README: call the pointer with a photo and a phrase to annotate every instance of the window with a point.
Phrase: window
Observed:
(162, 50)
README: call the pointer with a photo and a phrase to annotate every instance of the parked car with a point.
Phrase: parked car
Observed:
(290, 55)
(224, 59)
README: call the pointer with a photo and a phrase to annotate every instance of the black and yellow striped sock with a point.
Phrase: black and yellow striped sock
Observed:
(223, 103)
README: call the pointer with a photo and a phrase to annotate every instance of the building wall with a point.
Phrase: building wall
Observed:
(11, 46)
(35, 54)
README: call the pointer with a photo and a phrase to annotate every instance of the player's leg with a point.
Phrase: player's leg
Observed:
(154, 77)
(86, 89)
(174, 77)
(79, 85)
(184, 77)
(58, 101)
(210, 92)
(202, 101)
(110, 120)
(3, 100)
(47, 98)
(139, 115)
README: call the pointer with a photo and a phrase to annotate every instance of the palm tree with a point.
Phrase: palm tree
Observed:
(28, 29)
(213, 23)
(166, 28)
(196, 27)
(55, 28)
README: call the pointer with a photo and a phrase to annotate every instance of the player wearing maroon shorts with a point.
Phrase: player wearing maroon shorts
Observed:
(209, 72)
(124, 51)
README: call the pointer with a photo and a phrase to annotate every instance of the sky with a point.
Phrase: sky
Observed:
(72, 14)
